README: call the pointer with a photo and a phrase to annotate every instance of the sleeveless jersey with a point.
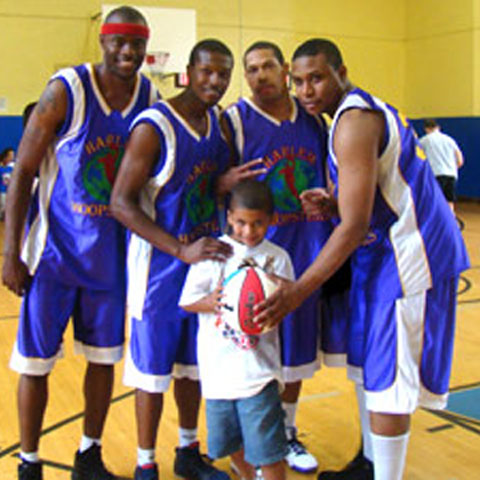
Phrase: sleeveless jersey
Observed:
(294, 153)
(179, 197)
(413, 241)
(72, 236)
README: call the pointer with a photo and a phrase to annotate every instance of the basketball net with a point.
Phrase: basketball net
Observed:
(156, 63)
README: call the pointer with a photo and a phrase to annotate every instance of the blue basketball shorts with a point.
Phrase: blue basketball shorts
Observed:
(160, 348)
(333, 331)
(402, 349)
(254, 423)
(299, 341)
(98, 323)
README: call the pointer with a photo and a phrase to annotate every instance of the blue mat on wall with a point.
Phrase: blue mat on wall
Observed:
(10, 131)
(465, 130)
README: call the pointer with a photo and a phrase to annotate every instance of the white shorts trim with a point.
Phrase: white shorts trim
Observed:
(407, 392)
(100, 355)
(186, 371)
(334, 359)
(133, 377)
(302, 372)
(33, 365)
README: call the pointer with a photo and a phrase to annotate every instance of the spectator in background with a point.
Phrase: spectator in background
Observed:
(7, 158)
(444, 156)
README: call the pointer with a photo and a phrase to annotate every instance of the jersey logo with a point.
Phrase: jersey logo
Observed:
(100, 171)
(287, 180)
(420, 152)
(199, 200)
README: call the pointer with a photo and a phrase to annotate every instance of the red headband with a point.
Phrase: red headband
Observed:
(125, 29)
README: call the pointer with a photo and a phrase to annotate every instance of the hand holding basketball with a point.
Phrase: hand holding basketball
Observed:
(242, 290)
(214, 301)
(271, 311)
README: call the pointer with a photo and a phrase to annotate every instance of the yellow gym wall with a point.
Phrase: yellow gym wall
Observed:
(441, 47)
(476, 57)
(38, 37)
(421, 55)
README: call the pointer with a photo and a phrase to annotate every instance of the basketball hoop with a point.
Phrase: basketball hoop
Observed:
(156, 63)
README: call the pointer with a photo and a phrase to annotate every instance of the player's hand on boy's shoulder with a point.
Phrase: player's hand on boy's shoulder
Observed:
(237, 174)
(205, 248)
(319, 202)
(15, 274)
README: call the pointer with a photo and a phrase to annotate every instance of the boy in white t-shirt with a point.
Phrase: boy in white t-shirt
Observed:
(241, 374)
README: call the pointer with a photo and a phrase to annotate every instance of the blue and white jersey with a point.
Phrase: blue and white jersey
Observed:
(179, 196)
(413, 241)
(294, 152)
(73, 236)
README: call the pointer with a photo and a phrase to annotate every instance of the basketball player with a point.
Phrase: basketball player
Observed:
(72, 262)
(407, 255)
(291, 145)
(165, 195)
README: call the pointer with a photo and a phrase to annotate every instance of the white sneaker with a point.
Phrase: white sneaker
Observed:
(298, 458)
(234, 469)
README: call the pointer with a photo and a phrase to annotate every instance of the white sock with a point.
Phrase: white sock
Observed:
(87, 442)
(389, 454)
(145, 456)
(187, 436)
(31, 457)
(364, 421)
(290, 410)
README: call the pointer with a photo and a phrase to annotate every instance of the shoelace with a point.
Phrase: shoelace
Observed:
(297, 446)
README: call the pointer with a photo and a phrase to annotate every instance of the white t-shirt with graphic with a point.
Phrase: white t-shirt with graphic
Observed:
(233, 364)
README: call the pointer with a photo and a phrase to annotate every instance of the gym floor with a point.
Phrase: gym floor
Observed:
(443, 445)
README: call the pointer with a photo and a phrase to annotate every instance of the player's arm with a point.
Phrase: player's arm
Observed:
(142, 151)
(236, 173)
(358, 137)
(46, 119)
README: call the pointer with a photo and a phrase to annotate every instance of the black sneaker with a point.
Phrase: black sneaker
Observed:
(30, 471)
(89, 466)
(190, 464)
(359, 468)
(149, 472)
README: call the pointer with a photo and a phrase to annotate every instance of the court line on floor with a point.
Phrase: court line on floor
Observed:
(56, 426)
(470, 424)
(64, 467)
(316, 396)
(9, 317)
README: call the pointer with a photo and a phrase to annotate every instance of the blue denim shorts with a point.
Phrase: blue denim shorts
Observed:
(255, 424)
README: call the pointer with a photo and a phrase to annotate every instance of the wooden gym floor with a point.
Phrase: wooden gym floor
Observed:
(443, 446)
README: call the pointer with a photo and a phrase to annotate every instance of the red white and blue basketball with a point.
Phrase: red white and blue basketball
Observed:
(242, 290)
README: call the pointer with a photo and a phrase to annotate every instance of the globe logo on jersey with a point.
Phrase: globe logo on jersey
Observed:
(199, 200)
(100, 171)
(287, 180)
